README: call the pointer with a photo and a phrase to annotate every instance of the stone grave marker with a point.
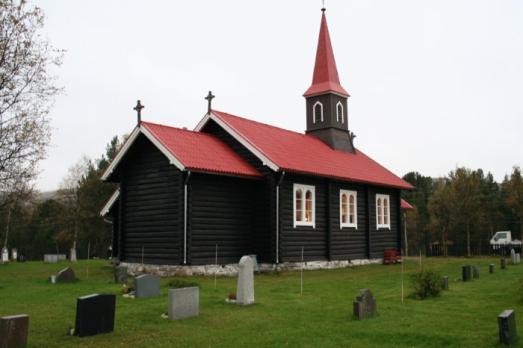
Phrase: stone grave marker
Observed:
(5, 255)
(51, 258)
(491, 268)
(518, 258)
(14, 330)
(475, 272)
(507, 327)
(146, 285)
(445, 283)
(14, 254)
(120, 274)
(512, 256)
(466, 273)
(184, 303)
(95, 314)
(66, 275)
(502, 263)
(255, 260)
(364, 306)
(245, 288)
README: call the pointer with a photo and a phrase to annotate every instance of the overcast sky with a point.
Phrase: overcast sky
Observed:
(433, 84)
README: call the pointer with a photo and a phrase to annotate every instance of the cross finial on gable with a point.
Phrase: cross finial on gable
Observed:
(138, 108)
(322, 5)
(209, 99)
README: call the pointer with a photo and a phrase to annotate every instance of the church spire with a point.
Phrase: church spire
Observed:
(325, 78)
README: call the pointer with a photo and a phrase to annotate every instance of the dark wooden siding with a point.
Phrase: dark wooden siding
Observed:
(314, 240)
(114, 213)
(384, 238)
(348, 242)
(264, 228)
(152, 206)
(221, 213)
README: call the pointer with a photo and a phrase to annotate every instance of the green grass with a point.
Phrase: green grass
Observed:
(464, 316)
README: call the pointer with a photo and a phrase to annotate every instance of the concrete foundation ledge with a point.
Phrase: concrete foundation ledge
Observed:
(231, 270)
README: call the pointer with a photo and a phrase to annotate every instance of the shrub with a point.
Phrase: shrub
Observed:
(181, 283)
(426, 284)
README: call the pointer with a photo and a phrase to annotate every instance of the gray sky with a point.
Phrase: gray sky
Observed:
(433, 84)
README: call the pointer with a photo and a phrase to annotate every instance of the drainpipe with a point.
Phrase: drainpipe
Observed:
(278, 217)
(185, 217)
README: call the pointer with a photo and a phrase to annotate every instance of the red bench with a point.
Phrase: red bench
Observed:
(391, 256)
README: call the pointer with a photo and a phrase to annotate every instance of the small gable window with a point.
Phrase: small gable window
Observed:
(348, 209)
(304, 205)
(339, 112)
(317, 112)
(382, 211)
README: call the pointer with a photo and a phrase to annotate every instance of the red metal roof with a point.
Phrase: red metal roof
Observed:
(325, 78)
(301, 153)
(200, 152)
(405, 204)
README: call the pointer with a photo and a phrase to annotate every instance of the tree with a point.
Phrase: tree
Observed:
(27, 91)
(439, 208)
(513, 193)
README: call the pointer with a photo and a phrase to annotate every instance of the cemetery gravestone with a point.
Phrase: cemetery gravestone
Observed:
(184, 303)
(146, 285)
(255, 260)
(66, 275)
(502, 263)
(518, 258)
(13, 331)
(365, 305)
(491, 268)
(507, 327)
(512, 256)
(95, 314)
(14, 254)
(5, 255)
(120, 274)
(245, 288)
(475, 272)
(466, 273)
(445, 283)
(51, 258)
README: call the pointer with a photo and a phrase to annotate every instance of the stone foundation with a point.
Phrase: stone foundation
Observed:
(231, 270)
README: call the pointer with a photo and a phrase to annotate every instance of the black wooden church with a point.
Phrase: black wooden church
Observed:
(252, 188)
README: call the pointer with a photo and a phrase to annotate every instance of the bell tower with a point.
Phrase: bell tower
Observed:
(326, 99)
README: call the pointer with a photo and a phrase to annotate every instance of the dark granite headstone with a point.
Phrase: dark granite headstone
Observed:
(365, 305)
(491, 268)
(502, 263)
(146, 285)
(95, 314)
(445, 283)
(507, 327)
(13, 331)
(66, 275)
(475, 272)
(120, 274)
(466, 273)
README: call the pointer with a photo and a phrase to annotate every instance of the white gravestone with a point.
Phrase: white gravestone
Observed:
(14, 254)
(512, 256)
(245, 289)
(184, 303)
(5, 255)
(518, 258)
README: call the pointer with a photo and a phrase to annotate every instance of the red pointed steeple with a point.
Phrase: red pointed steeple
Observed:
(325, 78)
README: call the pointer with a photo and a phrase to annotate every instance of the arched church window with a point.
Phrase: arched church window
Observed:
(317, 112)
(339, 113)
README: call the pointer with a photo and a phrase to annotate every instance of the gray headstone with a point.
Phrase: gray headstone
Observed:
(445, 283)
(5, 255)
(51, 258)
(475, 272)
(365, 305)
(13, 331)
(245, 288)
(146, 285)
(502, 263)
(66, 275)
(491, 268)
(507, 327)
(184, 303)
(512, 256)
(466, 274)
(518, 258)
(120, 274)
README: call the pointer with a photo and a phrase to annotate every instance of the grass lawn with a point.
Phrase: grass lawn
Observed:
(464, 316)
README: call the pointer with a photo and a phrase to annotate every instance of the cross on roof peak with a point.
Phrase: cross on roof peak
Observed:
(138, 108)
(209, 99)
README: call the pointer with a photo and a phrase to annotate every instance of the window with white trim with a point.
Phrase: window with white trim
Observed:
(317, 112)
(304, 205)
(382, 211)
(348, 209)
(339, 112)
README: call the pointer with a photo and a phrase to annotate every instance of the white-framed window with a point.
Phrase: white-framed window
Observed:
(382, 211)
(348, 209)
(304, 205)
(339, 112)
(317, 112)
